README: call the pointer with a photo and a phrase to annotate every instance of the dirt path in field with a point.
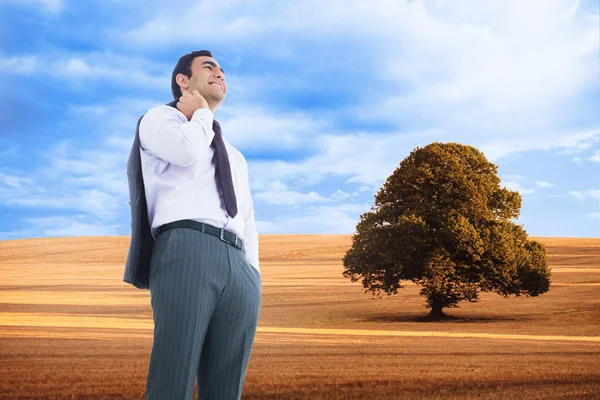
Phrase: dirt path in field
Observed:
(113, 323)
(361, 332)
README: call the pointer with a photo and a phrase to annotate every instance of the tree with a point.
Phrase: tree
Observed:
(442, 221)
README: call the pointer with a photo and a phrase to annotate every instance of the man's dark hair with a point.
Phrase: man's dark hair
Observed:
(184, 66)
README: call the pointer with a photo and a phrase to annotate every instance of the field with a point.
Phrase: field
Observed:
(71, 329)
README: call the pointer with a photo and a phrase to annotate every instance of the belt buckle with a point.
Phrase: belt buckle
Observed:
(222, 237)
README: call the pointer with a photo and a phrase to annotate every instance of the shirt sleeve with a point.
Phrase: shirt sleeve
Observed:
(165, 133)
(250, 232)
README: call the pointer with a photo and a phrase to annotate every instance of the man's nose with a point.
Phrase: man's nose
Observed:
(219, 75)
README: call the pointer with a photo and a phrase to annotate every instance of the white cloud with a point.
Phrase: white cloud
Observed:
(77, 67)
(99, 203)
(289, 197)
(468, 66)
(13, 181)
(586, 194)
(341, 195)
(9, 152)
(596, 157)
(92, 68)
(564, 142)
(19, 65)
(78, 229)
(543, 184)
(503, 75)
(229, 20)
(67, 226)
(367, 188)
(340, 219)
(53, 7)
(99, 168)
(60, 226)
(79, 175)
(293, 198)
(94, 202)
(516, 186)
(593, 216)
(120, 143)
(513, 177)
(576, 144)
(255, 127)
(494, 62)
(93, 110)
(505, 66)
(364, 158)
(513, 182)
(109, 67)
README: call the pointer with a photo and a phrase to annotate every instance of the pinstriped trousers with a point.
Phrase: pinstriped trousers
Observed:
(205, 301)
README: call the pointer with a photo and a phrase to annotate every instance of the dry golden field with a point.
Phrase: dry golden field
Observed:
(70, 328)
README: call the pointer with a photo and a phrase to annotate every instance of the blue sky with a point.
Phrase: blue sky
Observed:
(325, 99)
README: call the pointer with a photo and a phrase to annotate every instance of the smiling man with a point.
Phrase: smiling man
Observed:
(204, 277)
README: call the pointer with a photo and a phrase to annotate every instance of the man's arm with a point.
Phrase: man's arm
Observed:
(180, 143)
(250, 232)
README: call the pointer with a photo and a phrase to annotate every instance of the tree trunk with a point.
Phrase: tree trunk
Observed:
(436, 309)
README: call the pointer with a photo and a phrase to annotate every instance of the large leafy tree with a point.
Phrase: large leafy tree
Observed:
(443, 221)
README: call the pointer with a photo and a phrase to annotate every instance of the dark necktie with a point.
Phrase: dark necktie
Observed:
(223, 170)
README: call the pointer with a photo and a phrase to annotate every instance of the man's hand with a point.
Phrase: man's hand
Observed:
(190, 102)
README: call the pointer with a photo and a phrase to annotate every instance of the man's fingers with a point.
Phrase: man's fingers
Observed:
(196, 92)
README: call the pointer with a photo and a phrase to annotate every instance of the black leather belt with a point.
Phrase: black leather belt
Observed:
(226, 236)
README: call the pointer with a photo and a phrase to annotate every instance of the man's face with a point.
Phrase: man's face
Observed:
(208, 79)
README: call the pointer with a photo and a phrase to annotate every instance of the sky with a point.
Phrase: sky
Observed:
(325, 99)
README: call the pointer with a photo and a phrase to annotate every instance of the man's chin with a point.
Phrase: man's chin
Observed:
(217, 99)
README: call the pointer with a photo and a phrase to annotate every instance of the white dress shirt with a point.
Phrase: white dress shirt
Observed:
(179, 176)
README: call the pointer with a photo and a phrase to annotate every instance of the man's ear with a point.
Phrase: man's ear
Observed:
(182, 80)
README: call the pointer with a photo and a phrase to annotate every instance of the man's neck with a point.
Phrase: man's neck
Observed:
(174, 105)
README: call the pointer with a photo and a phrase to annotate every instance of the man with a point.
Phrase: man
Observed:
(204, 276)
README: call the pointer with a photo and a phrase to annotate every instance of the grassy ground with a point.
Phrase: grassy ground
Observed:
(71, 329)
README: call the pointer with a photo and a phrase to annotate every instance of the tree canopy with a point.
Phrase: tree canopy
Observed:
(443, 221)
